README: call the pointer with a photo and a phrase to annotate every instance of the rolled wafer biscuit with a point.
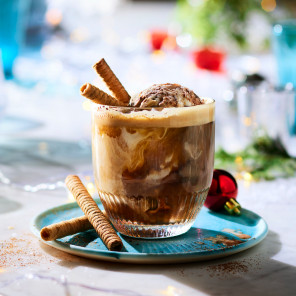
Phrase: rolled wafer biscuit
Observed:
(65, 228)
(93, 213)
(98, 96)
(103, 69)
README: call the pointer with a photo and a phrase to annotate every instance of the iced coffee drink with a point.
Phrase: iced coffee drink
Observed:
(153, 160)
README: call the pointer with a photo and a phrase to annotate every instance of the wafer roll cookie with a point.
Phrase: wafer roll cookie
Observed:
(65, 228)
(98, 96)
(103, 69)
(93, 213)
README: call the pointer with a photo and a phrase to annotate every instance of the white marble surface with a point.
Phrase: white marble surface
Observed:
(29, 267)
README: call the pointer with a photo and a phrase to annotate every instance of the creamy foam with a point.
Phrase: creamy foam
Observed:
(155, 117)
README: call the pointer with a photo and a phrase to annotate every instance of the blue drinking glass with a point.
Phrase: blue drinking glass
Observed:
(284, 45)
(13, 19)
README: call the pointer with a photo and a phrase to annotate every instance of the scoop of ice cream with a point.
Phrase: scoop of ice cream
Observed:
(165, 95)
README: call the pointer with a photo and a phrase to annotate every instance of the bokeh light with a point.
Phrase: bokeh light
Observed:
(268, 5)
(54, 17)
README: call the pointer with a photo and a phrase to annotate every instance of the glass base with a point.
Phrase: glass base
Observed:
(151, 231)
(153, 217)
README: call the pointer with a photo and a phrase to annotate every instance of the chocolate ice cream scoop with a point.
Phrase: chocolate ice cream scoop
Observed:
(165, 95)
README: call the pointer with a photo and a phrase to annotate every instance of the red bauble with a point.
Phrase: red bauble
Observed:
(209, 59)
(157, 38)
(222, 193)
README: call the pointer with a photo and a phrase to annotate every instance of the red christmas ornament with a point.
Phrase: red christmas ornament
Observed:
(223, 193)
(209, 59)
(157, 38)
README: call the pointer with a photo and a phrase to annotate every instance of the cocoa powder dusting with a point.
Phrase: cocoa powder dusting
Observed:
(21, 252)
(237, 233)
(234, 268)
(166, 95)
(220, 239)
(229, 268)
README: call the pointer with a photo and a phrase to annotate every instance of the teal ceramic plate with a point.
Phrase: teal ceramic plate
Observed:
(208, 238)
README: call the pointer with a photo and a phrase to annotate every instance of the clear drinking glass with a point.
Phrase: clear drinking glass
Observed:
(268, 110)
(153, 167)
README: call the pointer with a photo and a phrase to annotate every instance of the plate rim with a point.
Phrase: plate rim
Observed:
(140, 258)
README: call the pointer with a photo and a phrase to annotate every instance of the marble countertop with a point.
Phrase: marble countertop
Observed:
(29, 267)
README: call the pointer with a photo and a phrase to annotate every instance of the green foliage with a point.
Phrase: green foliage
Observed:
(208, 19)
(265, 159)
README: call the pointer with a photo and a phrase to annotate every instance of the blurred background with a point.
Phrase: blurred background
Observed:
(241, 53)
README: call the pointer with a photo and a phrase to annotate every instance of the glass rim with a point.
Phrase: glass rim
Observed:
(271, 89)
(284, 26)
(210, 103)
(287, 22)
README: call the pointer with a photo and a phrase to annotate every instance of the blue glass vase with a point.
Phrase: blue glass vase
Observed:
(13, 20)
(284, 46)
